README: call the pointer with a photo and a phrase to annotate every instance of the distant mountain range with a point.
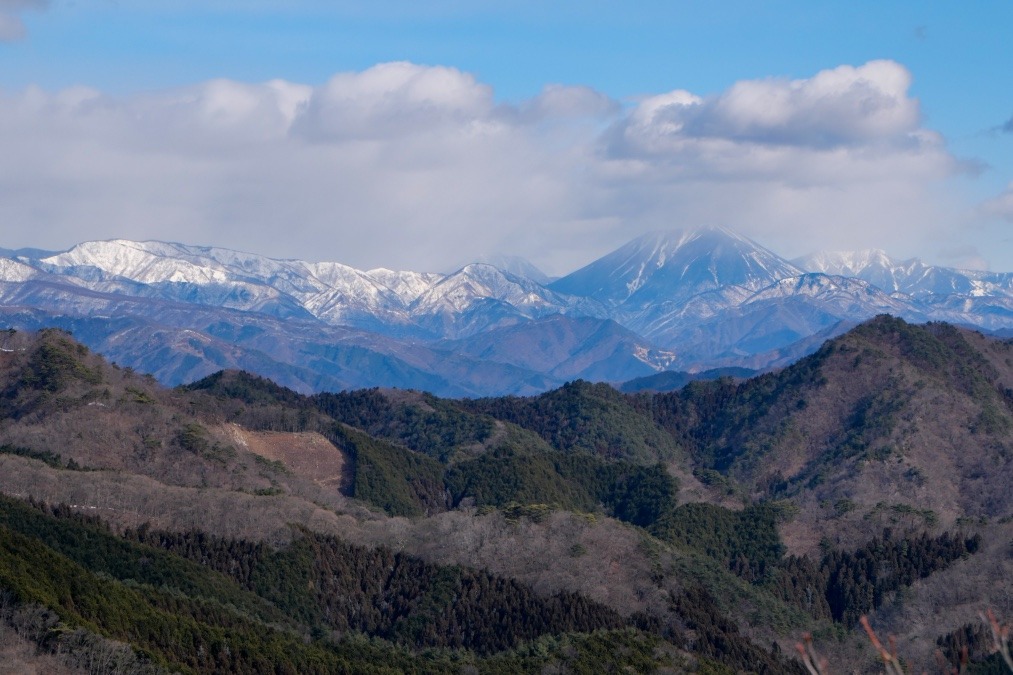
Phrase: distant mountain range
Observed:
(688, 300)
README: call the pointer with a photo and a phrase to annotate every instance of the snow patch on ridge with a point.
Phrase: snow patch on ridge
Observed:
(12, 270)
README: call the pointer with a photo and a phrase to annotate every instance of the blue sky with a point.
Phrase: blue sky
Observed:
(113, 129)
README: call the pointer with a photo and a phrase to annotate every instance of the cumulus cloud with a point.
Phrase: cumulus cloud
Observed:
(420, 167)
(394, 100)
(11, 26)
(842, 107)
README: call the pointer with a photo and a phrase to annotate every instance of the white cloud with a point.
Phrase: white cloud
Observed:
(394, 100)
(965, 257)
(558, 102)
(842, 106)
(419, 166)
(12, 28)
(1000, 206)
(846, 106)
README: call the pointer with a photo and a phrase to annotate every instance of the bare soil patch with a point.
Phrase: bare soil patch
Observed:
(306, 454)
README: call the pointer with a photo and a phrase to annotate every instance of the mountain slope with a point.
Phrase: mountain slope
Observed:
(174, 458)
(567, 348)
(890, 413)
(180, 342)
(774, 317)
(890, 425)
(675, 266)
(232, 606)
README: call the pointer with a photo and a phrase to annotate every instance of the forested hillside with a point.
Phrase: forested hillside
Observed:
(235, 525)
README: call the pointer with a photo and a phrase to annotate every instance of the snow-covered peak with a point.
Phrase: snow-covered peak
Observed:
(477, 282)
(910, 277)
(336, 274)
(330, 291)
(12, 270)
(407, 285)
(343, 289)
(144, 262)
(845, 263)
(816, 283)
(678, 263)
(657, 243)
(847, 297)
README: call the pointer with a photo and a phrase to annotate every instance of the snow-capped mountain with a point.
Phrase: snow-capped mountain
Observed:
(479, 297)
(669, 286)
(847, 297)
(910, 277)
(335, 293)
(868, 262)
(721, 326)
(971, 297)
(407, 285)
(12, 270)
(680, 300)
(675, 266)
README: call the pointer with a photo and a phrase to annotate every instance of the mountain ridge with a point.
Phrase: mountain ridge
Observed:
(705, 298)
